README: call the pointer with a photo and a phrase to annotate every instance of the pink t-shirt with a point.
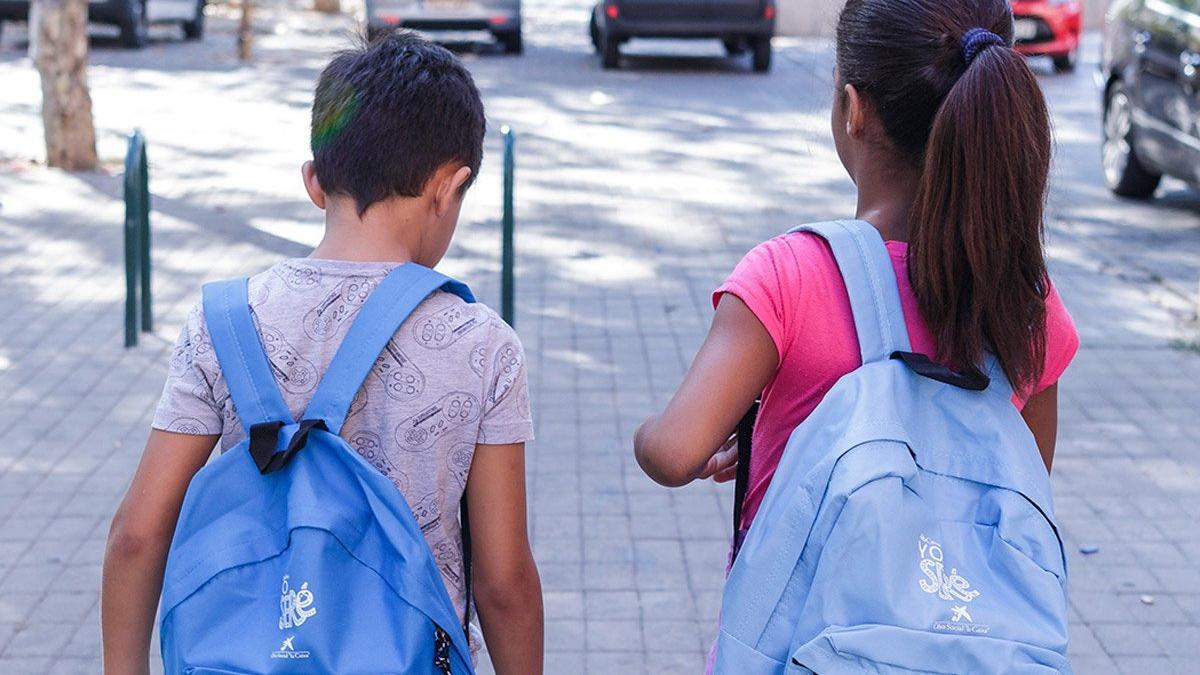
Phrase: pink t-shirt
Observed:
(792, 284)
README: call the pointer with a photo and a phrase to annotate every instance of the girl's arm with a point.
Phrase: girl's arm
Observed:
(507, 590)
(137, 546)
(734, 365)
(1041, 414)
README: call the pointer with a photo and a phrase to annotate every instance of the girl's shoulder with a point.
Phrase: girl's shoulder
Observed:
(789, 257)
(782, 281)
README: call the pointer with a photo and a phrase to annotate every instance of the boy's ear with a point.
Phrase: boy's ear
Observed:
(449, 189)
(309, 171)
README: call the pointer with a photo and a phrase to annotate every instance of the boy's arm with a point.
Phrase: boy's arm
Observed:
(137, 546)
(508, 592)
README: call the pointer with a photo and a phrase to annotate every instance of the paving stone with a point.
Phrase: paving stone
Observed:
(40, 639)
(1178, 641)
(1127, 639)
(615, 663)
(609, 635)
(1138, 665)
(621, 605)
(564, 635)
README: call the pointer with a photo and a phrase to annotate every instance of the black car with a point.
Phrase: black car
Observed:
(1151, 71)
(132, 17)
(743, 25)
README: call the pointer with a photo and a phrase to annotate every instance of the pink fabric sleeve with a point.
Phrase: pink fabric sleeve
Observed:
(1062, 341)
(761, 281)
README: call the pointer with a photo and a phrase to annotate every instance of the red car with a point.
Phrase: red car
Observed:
(1049, 28)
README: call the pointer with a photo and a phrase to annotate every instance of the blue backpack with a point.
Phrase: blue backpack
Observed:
(908, 527)
(292, 553)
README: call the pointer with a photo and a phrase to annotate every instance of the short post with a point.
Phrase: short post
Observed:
(507, 257)
(137, 240)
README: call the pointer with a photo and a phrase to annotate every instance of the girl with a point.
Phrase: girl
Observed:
(944, 131)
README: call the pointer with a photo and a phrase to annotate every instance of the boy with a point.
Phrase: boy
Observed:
(397, 133)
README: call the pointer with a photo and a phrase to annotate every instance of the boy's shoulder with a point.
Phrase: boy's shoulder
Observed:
(324, 297)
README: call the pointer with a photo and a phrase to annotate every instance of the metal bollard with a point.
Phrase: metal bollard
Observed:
(507, 256)
(137, 240)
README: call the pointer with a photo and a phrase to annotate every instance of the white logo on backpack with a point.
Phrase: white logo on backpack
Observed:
(295, 607)
(947, 586)
(287, 650)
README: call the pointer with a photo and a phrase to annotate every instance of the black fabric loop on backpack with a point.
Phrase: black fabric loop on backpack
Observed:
(745, 433)
(920, 364)
(265, 436)
(464, 519)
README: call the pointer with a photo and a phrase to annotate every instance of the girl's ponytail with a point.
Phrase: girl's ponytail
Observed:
(958, 102)
(975, 256)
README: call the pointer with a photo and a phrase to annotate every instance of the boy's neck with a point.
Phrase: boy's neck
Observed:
(385, 233)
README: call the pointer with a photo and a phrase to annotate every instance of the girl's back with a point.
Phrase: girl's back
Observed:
(793, 287)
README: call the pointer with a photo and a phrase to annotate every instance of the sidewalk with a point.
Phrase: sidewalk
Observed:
(637, 191)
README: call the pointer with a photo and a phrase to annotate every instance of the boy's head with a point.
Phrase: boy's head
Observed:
(396, 117)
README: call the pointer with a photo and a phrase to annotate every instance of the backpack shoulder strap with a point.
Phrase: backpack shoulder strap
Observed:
(240, 353)
(401, 292)
(870, 280)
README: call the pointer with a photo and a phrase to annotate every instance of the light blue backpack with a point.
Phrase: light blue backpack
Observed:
(292, 553)
(908, 527)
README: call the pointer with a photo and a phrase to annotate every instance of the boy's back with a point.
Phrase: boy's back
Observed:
(451, 377)
(397, 139)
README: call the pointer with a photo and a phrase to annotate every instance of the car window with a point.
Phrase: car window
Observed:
(1178, 17)
(1176, 9)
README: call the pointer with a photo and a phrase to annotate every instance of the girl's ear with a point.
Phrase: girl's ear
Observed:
(856, 112)
(312, 184)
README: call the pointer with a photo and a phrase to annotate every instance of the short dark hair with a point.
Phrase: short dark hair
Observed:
(388, 113)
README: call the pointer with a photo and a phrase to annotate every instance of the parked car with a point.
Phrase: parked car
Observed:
(501, 18)
(742, 25)
(133, 17)
(1049, 28)
(1151, 75)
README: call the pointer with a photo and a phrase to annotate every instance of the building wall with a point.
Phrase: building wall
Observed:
(819, 17)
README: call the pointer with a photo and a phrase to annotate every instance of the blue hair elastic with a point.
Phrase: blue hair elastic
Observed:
(976, 40)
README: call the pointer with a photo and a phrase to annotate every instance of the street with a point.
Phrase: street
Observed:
(638, 190)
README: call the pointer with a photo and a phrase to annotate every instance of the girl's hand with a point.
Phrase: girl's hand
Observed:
(734, 365)
(722, 467)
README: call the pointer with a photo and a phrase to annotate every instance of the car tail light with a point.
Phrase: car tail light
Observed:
(389, 18)
(611, 11)
(769, 11)
(498, 20)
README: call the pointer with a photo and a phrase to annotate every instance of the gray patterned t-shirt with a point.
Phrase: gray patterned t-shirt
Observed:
(451, 377)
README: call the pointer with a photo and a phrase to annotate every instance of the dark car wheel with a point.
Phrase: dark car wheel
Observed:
(762, 54)
(594, 33)
(513, 42)
(194, 29)
(1123, 171)
(610, 52)
(134, 29)
(1065, 63)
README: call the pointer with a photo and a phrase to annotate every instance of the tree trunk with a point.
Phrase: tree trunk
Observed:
(245, 34)
(328, 6)
(59, 48)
